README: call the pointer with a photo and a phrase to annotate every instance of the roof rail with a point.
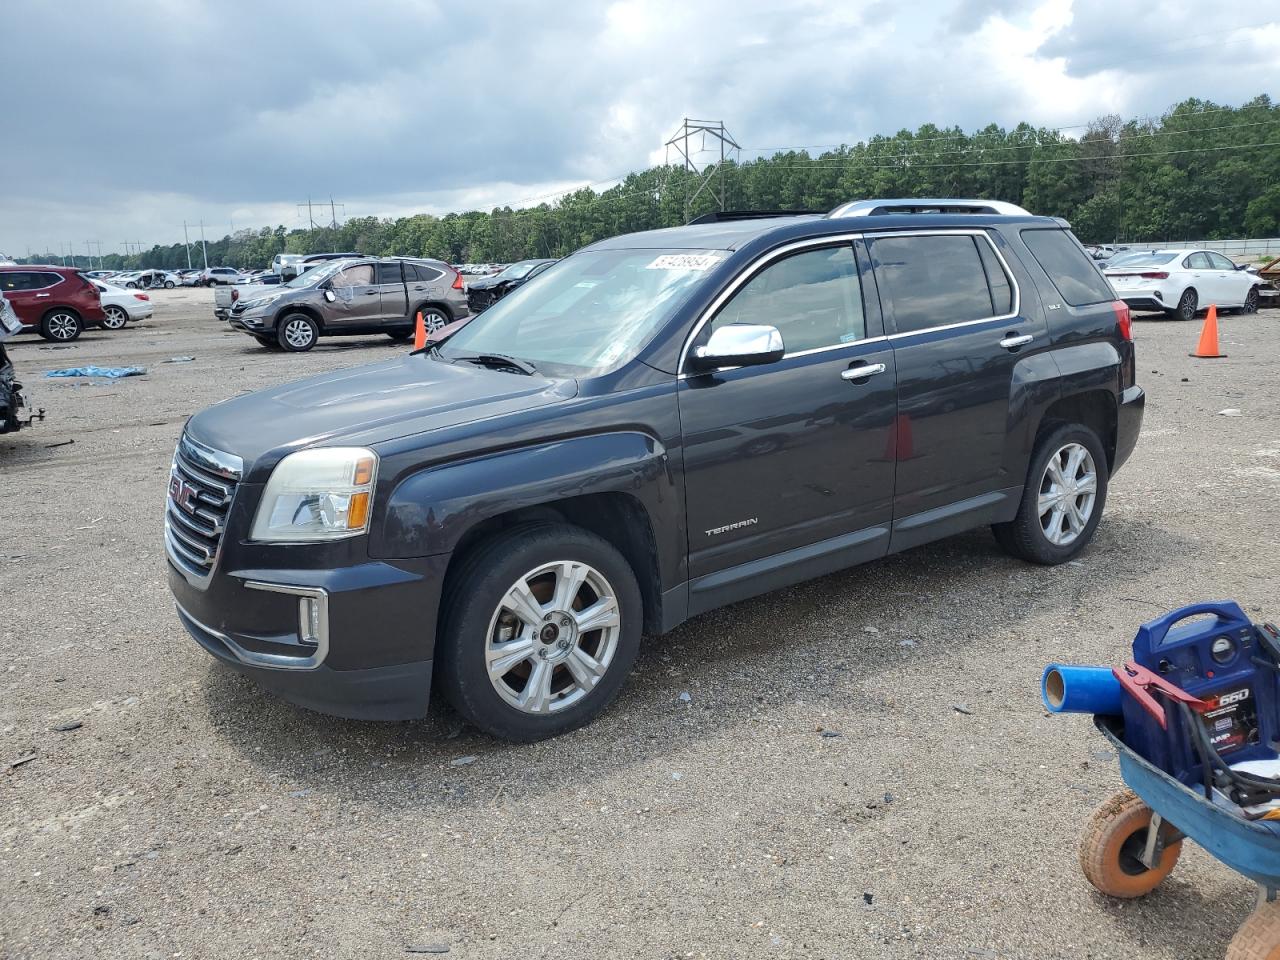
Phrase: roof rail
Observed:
(723, 216)
(879, 208)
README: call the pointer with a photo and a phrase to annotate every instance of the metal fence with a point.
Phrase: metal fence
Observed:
(1231, 248)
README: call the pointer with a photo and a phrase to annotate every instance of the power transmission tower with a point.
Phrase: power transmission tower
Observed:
(710, 175)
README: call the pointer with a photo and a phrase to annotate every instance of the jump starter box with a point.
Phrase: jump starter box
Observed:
(1213, 652)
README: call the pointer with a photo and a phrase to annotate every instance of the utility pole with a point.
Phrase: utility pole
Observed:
(204, 246)
(710, 178)
(186, 243)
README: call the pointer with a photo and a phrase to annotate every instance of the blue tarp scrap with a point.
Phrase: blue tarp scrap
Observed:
(112, 373)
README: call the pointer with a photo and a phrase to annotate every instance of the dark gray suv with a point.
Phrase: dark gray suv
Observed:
(352, 297)
(658, 425)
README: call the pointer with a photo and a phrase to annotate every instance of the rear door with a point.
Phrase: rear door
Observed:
(393, 304)
(959, 329)
(30, 293)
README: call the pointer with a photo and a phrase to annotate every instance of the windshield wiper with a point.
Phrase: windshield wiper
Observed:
(500, 361)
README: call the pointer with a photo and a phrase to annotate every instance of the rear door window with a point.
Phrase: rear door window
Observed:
(1070, 270)
(17, 280)
(933, 280)
(388, 273)
(1198, 261)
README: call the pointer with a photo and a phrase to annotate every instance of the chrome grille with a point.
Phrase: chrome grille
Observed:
(202, 484)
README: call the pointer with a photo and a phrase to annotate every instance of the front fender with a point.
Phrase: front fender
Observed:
(428, 512)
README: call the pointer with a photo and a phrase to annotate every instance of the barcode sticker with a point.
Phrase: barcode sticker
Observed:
(684, 261)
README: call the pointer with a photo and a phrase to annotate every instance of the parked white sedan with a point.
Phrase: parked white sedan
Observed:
(1182, 282)
(121, 305)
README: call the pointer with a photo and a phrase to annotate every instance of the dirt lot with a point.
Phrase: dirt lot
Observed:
(191, 815)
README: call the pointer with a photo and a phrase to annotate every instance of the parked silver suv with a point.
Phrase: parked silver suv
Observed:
(351, 297)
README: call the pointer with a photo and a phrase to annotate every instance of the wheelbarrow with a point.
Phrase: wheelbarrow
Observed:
(1134, 839)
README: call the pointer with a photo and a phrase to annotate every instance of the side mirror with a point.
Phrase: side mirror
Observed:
(329, 295)
(739, 345)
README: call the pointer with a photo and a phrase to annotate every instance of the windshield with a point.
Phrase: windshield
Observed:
(316, 274)
(516, 271)
(1140, 260)
(589, 313)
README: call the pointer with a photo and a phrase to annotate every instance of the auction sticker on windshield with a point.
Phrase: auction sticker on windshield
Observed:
(684, 261)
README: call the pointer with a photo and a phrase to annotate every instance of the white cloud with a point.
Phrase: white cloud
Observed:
(410, 106)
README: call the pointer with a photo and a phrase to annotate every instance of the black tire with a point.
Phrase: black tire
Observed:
(1025, 536)
(61, 325)
(1188, 305)
(169, 284)
(1250, 301)
(267, 342)
(289, 332)
(473, 603)
(117, 317)
(400, 335)
(131, 285)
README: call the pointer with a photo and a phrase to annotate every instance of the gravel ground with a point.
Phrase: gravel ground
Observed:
(817, 794)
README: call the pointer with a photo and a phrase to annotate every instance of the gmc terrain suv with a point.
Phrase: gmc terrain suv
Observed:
(349, 297)
(660, 424)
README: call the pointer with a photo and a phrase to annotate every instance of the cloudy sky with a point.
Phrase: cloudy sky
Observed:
(158, 111)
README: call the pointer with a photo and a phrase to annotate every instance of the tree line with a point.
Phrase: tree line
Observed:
(1201, 171)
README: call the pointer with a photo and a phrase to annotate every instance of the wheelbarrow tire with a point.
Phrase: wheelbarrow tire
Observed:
(1112, 845)
(1259, 936)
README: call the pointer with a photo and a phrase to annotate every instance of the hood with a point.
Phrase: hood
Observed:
(486, 283)
(369, 405)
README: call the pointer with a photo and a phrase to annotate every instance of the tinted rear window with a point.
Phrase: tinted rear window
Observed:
(1073, 274)
(936, 280)
(388, 273)
(1141, 260)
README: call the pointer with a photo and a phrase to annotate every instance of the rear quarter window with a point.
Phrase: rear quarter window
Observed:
(1070, 270)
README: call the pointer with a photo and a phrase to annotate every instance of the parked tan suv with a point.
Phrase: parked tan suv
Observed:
(352, 297)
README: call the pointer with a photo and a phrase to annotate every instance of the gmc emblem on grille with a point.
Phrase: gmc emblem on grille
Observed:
(183, 494)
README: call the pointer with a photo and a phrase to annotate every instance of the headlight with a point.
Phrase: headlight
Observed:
(259, 302)
(321, 494)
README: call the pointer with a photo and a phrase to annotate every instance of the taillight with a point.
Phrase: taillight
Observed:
(235, 294)
(1124, 320)
(1156, 275)
(457, 280)
(141, 296)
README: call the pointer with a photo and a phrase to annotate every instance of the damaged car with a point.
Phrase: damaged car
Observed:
(11, 399)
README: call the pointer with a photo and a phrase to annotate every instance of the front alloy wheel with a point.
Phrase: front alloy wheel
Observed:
(552, 637)
(297, 333)
(62, 326)
(541, 626)
(1068, 491)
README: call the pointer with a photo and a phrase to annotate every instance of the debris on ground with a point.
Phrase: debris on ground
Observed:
(428, 948)
(178, 360)
(961, 708)
(60, 443)
(462, 761)
(1230, 412)
(685, 697)
(69, 726)
(111, 373)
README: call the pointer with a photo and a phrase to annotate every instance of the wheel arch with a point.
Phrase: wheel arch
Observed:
(1095, 409)
(616, 485)
(62, 308)
(438, 304)
(304, 308)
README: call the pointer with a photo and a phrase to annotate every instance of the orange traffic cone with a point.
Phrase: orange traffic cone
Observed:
(419, 333)
(1207, 349)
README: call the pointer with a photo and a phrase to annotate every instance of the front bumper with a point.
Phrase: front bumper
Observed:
(1133, 402)
(344, 636)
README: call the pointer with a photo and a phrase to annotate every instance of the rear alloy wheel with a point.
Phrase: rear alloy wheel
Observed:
(297, 333)
(542, 626)
(1062, 500)
(1188, 303)
(433, 319)
(61, 325)
(116, 317)
(168, 284)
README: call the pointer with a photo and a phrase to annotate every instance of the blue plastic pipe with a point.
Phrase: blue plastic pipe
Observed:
(1068, 689)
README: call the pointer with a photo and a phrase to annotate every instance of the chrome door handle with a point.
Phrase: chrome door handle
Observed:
(866, 370)
(38, 295)
(1013, 341)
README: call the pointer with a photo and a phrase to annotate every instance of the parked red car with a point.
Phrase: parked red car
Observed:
(56, 302)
